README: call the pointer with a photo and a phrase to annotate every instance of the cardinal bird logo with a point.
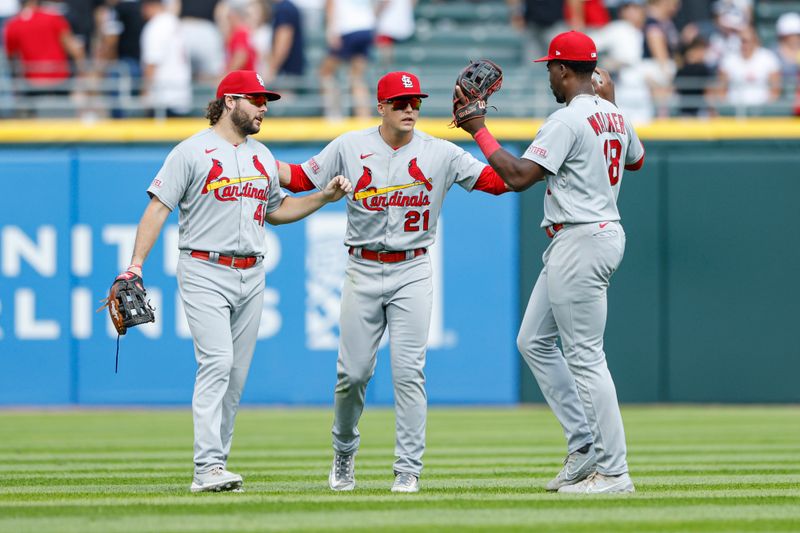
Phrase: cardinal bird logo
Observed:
(416, 173)
(213, 174)
(363, 185)
(260, 168)
(364, 180)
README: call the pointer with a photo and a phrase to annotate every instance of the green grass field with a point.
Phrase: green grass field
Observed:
(695, 468)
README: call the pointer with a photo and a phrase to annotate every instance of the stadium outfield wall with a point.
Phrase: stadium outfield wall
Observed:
(702, 308)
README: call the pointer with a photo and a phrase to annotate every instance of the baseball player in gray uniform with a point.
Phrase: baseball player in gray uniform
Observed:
(580, 153)
(225, 185)
(401, 176)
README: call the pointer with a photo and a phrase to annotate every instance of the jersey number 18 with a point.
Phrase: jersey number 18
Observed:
(612, 149)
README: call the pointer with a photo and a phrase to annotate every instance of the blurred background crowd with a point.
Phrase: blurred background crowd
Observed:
(135, 58)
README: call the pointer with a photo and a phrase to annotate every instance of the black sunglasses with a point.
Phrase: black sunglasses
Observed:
(399, 104)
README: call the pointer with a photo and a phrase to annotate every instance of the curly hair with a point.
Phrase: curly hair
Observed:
(215, 109)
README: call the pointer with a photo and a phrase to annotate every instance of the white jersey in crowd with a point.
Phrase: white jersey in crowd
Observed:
(353, 15)
(162, 46)
(397, 194)
(584, 148)
(396, 20)
(224, 193)
(748, 79)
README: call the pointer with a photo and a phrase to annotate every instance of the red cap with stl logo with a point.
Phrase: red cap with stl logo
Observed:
(244, 82)
(570, 46)
(396, 84)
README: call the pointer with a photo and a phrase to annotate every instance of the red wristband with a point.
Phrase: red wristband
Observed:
(486, 142)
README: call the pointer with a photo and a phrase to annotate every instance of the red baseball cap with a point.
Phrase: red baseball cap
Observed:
(570, 46)
(244, 82)
(397, 84)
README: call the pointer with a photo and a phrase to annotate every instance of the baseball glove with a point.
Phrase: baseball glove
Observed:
(126, 303)
(478, 81)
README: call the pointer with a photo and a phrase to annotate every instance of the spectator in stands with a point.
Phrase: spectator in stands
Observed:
(721, 32)
(239, 50)
(620, 44)
(118, 52)
(81, 17)
(586, 15)
(788, 47)
(751, 76)
(395, 25)
(8, 8)
(350, 27)
(661, 42)
(541, 20)
(39, 43)
(167, 75)
(287, 60)
(202, 38)
(694, 80)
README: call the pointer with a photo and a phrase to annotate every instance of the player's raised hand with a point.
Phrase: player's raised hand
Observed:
(337, 188)
(461, 101)
(603, 85)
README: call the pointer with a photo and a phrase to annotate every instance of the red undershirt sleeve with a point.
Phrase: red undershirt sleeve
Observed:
(490, 182)
(299, 181)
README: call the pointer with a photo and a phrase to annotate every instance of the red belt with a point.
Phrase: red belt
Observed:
(387, 257)
(228, 260)
(552, 230)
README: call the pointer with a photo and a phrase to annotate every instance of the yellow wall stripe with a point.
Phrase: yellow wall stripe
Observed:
(320, 130)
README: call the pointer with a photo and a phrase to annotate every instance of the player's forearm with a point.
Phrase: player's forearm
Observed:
(517, 173)
(293, 209)
(149, 228)
(284, 173)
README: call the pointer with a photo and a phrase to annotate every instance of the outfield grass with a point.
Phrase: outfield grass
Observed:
(695, 469)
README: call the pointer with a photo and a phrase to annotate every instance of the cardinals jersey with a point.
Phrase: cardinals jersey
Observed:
(584, 147)
(224, 193)
(397, 194)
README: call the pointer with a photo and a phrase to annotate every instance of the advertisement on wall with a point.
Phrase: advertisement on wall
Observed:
(69, 226)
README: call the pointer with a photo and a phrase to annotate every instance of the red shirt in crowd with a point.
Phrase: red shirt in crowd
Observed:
(595, 14)
(33, 37)
(240, 41)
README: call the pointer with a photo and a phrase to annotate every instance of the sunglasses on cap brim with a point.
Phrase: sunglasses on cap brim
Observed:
(257, 100)
(400, 103)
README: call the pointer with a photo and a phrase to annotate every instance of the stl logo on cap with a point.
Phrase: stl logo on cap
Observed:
(396, 84)
(260, 80)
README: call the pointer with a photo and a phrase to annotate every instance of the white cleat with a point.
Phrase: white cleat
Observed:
(404, 482)
(577, 467)
(598, 483)
(216, 480)
(343, 472)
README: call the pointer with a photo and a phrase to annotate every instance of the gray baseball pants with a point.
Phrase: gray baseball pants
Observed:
(223, 308)
(569, 300)
(376, 295)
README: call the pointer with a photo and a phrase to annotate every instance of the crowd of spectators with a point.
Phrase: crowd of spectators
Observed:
(663, 60)
(695, 58)
(159, 53)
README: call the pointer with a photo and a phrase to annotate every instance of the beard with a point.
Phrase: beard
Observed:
(243, 124)
(559, 97)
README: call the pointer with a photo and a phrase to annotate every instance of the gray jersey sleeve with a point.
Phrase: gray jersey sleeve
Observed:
(552, 145)
(327, 164)
(172, 179)
(465, 169)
